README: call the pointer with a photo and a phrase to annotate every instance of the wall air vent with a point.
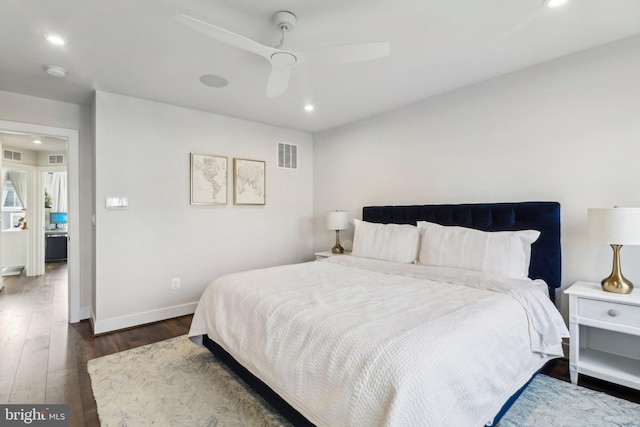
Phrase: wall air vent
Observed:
(15, 156)
(56, 159)
(287, 156)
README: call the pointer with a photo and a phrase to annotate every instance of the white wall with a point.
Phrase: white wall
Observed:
(43, 160)
(39, 111)
(566, 131)
(14, 248)
(29, 157)
(142, 152)
(33, 158)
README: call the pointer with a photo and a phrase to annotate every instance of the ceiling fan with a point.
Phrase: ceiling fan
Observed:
(282, 59)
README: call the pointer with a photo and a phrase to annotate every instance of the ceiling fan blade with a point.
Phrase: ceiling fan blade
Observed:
(278, 80)
(226, 36)
(345, 53)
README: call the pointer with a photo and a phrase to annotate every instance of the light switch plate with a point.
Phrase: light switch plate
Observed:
(112, 202)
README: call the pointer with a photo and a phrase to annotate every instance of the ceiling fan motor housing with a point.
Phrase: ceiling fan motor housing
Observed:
(284, 20)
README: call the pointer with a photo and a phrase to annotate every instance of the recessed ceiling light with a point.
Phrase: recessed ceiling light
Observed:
(55, 71)
(213, 81)
(309, 108)
(55, 39)
(37, 141)
(554, 3)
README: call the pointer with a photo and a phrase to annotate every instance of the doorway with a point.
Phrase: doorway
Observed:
(35, 214)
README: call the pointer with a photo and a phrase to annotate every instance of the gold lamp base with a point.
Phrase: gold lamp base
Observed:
(616, 282)
(337, 249)
(618, 286)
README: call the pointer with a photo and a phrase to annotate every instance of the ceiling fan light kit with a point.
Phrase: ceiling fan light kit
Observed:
(283, 60)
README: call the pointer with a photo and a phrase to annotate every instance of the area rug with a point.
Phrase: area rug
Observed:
(176, 383)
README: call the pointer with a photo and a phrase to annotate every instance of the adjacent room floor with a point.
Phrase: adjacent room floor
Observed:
(44, 359)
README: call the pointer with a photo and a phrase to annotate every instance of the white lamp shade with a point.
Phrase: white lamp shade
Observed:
(337, 220)
(614, 226)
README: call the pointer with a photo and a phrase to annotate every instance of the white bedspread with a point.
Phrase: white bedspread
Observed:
(355, 342)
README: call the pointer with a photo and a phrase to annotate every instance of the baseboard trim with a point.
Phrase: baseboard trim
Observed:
(137, 319)
(85, 313)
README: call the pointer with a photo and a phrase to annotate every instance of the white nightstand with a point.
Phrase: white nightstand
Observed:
(605, 334)
(327, 254)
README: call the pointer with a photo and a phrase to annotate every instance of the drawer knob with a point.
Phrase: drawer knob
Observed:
(612, 313)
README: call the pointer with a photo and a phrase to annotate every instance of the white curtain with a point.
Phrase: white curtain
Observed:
(56, 185)
(20, 184)
(4, 194)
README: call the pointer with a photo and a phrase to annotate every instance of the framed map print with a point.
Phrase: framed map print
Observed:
(249, 182)
(208, 179)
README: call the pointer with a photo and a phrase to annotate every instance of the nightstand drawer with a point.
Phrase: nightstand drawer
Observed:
(619, 314)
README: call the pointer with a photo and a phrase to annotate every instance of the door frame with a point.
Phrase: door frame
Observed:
(73, 226)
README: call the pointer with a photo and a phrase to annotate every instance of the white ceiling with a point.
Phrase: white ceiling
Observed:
(137, 48)
(25, 142)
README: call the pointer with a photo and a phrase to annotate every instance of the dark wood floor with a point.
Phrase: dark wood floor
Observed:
(559, 368)
(43, 359)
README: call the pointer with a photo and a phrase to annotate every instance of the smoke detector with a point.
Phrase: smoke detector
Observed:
(55, 71)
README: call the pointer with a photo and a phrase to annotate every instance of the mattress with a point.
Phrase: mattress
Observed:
(360, 342)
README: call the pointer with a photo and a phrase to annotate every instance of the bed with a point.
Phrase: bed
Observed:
(437, 334)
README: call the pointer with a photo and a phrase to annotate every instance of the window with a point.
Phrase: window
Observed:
(9, 197)
(11, 207)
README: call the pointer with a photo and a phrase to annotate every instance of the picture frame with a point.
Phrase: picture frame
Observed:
(208, 175)
(249, 182)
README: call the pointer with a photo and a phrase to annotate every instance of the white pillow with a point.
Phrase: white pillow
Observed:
(388, 242)
(505, 252)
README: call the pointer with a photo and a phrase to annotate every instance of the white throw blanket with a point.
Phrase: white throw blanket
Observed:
(356, 342)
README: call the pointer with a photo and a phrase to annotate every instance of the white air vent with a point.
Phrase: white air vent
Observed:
(15, 156)
(287, 156)
(56, 159)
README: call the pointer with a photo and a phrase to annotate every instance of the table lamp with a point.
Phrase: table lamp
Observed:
(617, 227)
(337, 220)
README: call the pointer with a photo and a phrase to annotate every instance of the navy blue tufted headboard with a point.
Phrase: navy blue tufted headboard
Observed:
(542, 216)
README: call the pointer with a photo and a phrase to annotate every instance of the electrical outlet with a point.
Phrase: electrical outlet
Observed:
(175, 283)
